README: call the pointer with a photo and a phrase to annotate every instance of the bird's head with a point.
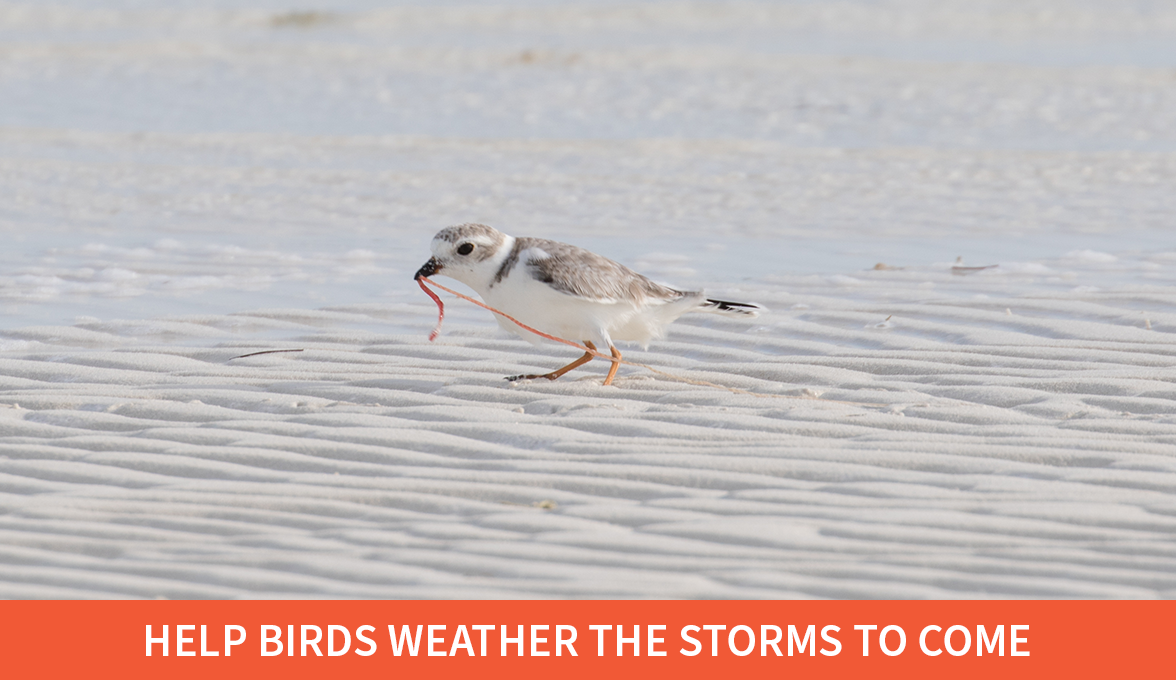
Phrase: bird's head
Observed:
(470, 253)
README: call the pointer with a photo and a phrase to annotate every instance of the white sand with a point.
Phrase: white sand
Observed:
(183, 183)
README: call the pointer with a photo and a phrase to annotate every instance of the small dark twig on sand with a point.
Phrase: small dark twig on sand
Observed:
(268, 351)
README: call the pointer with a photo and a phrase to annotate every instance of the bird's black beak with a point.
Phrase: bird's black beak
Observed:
(431, 267)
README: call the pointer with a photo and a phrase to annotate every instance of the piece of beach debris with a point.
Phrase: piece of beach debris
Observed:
(545, 504)
(266, 351)
(960, 270)
(302, 19)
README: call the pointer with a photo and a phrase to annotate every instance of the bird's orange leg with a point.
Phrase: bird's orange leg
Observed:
(612, 372)
(559, 371)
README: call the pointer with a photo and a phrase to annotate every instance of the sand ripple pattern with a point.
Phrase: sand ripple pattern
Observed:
(1000, 446)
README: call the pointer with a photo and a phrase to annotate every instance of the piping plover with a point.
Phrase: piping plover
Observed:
(564, 290)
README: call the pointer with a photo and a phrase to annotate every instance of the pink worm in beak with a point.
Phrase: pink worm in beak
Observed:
(440, 308)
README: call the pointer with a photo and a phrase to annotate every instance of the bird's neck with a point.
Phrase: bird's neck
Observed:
(487, 273)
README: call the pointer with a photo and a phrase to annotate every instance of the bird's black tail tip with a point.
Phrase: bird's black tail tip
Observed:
(736, 308)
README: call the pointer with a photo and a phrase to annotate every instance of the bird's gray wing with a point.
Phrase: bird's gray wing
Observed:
(588, 276)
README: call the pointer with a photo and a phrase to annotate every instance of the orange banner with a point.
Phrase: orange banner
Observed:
(585, 639)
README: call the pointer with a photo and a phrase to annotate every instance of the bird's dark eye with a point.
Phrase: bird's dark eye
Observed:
(465, 249)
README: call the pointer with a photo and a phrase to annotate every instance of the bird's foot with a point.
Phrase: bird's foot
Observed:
(513, 378)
